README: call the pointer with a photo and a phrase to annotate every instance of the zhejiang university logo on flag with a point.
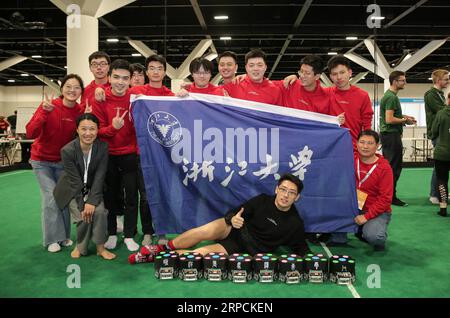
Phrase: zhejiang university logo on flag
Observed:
(204, 155)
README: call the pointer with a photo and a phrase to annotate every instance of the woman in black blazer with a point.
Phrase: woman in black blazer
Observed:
(80, 187)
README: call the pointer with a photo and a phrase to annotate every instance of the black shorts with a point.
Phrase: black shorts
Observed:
(234, 243)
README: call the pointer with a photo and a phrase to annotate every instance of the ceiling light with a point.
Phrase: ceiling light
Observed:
(332, 53)
(407, 56)
(221, 17)
(430, 78)
(11, 81)
(136, 54)
(112, 40)
(65, 66)
(36, 56)
(225, 38)
(24, 74)
(377, 18)
(351, 38)
(393, 64)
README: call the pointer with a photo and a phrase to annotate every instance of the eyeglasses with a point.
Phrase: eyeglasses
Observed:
(157, 69)
(101, 64)
(286, 191)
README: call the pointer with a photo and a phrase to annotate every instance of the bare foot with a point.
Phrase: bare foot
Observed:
(106, 254)
(75, 253)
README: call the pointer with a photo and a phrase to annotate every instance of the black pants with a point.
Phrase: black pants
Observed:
(122, 169)
(144, 209)
(393, 152)
(442, 168)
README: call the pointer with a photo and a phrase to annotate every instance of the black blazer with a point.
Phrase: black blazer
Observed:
(70, 184)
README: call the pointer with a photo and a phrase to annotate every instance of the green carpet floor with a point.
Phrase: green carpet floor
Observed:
(415, 263)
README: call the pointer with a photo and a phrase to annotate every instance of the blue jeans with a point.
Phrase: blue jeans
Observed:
(375, 230)
(433, 184)
(55, 223)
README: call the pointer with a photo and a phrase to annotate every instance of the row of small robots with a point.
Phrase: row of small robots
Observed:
(264, 268)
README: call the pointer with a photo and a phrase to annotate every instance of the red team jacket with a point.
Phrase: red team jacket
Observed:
(89, 92)
(265, 92)
(120, 141)
(52, 130)
(356, 104)
(150, 91)
(379, 186)
(296, 96)
(210, 89)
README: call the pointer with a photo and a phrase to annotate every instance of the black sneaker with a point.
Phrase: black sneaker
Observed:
(398, 202)
(444, 214)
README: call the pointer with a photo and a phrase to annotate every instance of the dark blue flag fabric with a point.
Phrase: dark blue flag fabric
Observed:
(203, 155)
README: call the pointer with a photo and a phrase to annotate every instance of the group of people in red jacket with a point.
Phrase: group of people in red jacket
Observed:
(107, 97)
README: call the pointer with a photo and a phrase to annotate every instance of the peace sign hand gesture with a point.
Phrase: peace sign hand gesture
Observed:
(119, 121)
(88, 108)
(47, 103)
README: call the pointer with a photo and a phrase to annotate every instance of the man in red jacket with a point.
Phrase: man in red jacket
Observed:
(99, 65)
(117, 129)
(349, 99)
(374, 184)
(255, 86)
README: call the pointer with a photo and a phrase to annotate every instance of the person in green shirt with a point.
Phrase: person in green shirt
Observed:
(434, 102)
(391, 127)
(441, 132)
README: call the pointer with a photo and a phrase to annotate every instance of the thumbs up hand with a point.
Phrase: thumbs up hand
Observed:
(237, 221)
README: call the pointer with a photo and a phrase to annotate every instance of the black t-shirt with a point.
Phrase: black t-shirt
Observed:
(266, 228)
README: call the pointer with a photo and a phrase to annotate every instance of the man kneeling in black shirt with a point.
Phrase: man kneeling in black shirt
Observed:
(260, 225)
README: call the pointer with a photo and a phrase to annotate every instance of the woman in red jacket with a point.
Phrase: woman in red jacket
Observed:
(53, 126)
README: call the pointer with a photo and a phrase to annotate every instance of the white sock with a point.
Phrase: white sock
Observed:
(111, 242)
(53, 248)
(131, 244)
(147, 239)
(119, 224)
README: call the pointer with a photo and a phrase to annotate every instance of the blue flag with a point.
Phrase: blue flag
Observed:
(203, 155)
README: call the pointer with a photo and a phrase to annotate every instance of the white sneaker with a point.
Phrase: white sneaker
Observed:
(67, 242)
(111, 242)
(119, 224)
(131, 244)
(434, 200)
(53, 248)
(162, 239)
(147, 239)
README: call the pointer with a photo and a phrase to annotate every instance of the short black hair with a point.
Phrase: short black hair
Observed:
(228, 54)
(120, 64)
(370, 132)
(198, 62)
(395, 75)
(315, 62)
(338, 60)
(98, 55)
(75, 76)
(254, 54)
(156, 58)
(137, 67)
(294, 179)
(87, 116)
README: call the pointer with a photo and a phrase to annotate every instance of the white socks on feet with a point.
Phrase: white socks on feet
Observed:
(131, 244)
(119, 223)
(53, 248)
(111, 242)
(147, 239)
